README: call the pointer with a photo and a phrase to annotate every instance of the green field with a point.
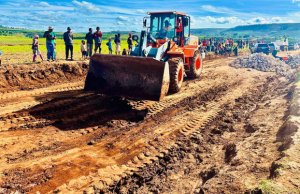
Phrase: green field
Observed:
(16, 50)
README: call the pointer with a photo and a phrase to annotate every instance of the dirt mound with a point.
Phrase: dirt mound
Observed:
(285, 133)
(296, 59)
(23, 77)
(264, 63)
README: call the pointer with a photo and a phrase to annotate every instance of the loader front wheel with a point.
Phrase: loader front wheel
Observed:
(176, 74)
(195, 66)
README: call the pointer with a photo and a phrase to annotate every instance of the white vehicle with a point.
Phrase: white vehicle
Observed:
(284, 44)
(273, 46)
(296, 46)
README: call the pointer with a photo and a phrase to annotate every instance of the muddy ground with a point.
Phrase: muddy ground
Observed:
(230, 131)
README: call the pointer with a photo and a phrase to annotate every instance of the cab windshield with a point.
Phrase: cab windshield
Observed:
(162, 26)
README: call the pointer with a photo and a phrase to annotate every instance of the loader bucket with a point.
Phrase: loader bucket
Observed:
(128, 76)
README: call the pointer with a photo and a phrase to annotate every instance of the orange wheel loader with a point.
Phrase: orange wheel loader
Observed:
(164, 54)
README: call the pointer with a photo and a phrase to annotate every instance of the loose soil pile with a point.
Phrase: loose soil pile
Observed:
(24, 77)
(265, 63)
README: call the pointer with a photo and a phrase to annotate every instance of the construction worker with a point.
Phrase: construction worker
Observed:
(167, 26)
(179, 31)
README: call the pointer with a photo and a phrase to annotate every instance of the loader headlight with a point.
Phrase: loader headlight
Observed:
(135, 38)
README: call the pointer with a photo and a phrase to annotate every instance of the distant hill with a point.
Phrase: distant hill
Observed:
(274, 30)
(208, 31)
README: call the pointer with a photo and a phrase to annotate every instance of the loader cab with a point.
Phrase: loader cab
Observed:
(171, 26)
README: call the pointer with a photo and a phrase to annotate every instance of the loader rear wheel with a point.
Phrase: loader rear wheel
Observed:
(176, 74)
(195, 65)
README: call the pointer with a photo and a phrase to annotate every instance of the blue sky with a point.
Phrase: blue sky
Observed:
(128, 14)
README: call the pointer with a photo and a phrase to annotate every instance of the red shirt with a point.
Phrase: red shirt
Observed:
(204, 42)
(99, 34)
(179, 25)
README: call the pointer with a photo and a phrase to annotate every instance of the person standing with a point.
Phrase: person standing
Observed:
(227, 42)
(179, 31)
(83, 50)
(89, 40)
(68, 38)
(50, 37)
(212, 44)
(204, 44)
(98, 39)
(35, 48)
(129, 42)
(118, 44)
(109, 44)
(208, 45)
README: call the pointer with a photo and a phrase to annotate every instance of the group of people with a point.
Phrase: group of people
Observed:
(222, 46)
(94, 40)
(87, 44)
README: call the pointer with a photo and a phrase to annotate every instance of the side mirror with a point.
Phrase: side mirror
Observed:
(135, 38)
(145, 23)
(185, 21)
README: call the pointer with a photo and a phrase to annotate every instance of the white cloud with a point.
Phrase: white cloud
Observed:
(234, 21)
(120, 23)
(295, 1)
(257, 20)
(289, 21)
(44, 4)
(123, 18)
(89, 21)
(294, 14)
(214, 9)
(86, 7)
(140, 11)
(193, 20)
(220, 20)
(276, 19)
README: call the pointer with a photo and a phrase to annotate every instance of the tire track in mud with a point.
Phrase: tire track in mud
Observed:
(156, 147)
(197, 153)
(161, 113)
(21, 154)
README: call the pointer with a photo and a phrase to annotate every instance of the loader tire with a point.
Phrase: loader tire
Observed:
(176, 74)
(195, 65)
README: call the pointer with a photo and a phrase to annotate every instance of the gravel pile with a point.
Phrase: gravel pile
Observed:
(296, 60)
(265, 63)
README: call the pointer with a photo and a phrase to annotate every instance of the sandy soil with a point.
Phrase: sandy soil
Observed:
(222, 133)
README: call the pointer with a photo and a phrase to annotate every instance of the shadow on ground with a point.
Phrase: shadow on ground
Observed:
(71, 110)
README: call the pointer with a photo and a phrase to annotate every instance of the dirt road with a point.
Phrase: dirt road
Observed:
(218, 134)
